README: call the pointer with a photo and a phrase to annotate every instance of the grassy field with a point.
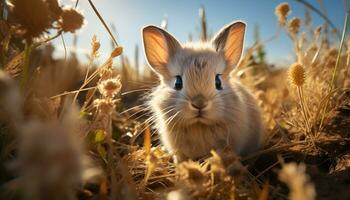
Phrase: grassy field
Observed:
(72, 130)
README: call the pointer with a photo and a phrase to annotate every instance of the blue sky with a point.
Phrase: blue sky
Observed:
(129, 16)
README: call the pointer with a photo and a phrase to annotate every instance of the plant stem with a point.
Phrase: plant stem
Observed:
(304, 111)
(25, 69)
(321, 14)
(103, 22)
(335, 67)
(111, 163)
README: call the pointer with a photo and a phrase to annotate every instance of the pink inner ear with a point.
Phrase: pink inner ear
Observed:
(234, 45)
(156, 49)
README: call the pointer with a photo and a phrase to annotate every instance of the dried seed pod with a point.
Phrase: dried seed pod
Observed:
(55, 9)
(71, 20)
(294, 25)
(32, 23)
(116, 52)
(110, 87)
(297, 74)
(282, 11)
(95, 46)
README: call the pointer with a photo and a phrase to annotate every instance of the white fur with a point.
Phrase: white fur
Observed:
(231, 118)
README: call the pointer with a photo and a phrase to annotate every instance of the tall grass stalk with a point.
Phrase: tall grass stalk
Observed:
(304, 109)
(335, 67)
(204, 32)
(103, 22)
(321, 14)
(111, 163)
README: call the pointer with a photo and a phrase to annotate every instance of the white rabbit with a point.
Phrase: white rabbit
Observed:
(198, 107)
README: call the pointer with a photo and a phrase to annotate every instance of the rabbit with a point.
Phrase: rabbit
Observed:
(198, 106)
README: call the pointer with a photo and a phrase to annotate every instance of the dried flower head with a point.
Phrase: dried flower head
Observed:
(110, 87)
(282, 11)
(32, 23)
(71, 20)
(297, 74)
(298, 182)
(192, 172)
(55, 9)
(116, 52)
(107, 70)
(317, 31)
(294, 25)
(95, 46)
(105, 106)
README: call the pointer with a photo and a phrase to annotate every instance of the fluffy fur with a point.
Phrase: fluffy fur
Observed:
(231, 117)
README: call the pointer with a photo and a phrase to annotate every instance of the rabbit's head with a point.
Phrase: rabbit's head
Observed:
(195, 85)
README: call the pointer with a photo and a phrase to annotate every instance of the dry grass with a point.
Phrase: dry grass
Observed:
(74, 131)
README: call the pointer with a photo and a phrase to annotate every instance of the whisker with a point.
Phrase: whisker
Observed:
(136, 90)
(127, 110)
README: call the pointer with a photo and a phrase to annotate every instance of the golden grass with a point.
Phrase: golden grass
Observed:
(86, 128)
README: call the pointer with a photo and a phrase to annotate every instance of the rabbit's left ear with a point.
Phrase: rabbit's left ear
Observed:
(230, 41)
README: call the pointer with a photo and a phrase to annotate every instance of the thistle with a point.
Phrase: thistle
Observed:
(110, 87)
(32, 24)
(297, 77)
(297, 74)
(71, 20)
(282, 11)
(294, 25)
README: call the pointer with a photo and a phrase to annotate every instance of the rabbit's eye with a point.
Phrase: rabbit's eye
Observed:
(218, 84)
(178, 83)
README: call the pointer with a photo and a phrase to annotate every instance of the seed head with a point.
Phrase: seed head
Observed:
(32, 23)
(282, 11)
(110, 87)
(55, 9)
(317, 32)
(297, 74)
(192, 172)
(107, 70)
(294, 25)
(71, 20)
(116, 52)
(105, 106)
(95, 46)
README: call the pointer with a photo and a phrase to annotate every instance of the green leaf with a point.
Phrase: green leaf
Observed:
(100, 136)
(83, 114)
(102, 151)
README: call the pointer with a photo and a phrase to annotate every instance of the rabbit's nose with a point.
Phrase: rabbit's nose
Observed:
(199, 102)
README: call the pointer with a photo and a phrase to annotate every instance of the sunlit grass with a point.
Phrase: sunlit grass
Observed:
(70, 130)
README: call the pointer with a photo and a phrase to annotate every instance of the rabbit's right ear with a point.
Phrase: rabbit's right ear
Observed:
(159, 47)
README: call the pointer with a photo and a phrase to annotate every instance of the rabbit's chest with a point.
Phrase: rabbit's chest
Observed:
(198, 141)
